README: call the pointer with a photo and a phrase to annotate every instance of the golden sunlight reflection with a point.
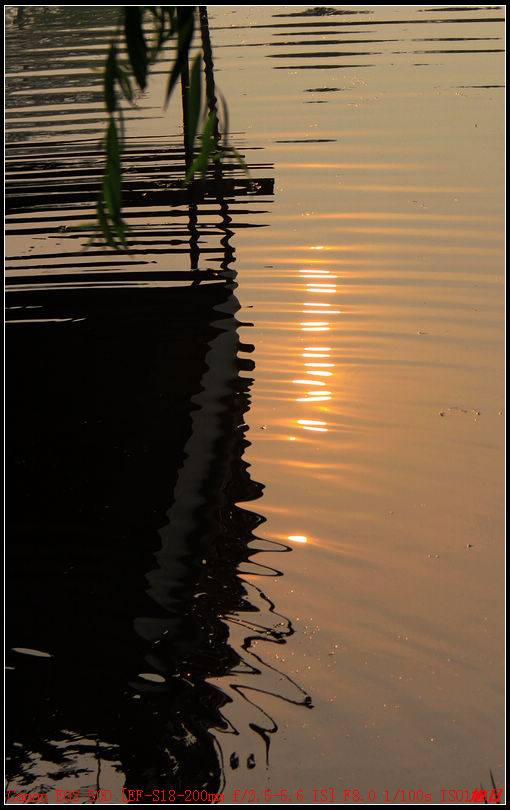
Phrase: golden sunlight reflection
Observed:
(308, 273)
(297, 538)
(308, 382)
(315, 358)
(316, 274)
(321, 285)
(313, 399)
(314, 323)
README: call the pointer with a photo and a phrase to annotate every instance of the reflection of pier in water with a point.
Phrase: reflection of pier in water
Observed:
(50, 196)
(125, 543)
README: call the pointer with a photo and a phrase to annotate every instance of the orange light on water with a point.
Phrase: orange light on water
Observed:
(313, 399)
(308, 382)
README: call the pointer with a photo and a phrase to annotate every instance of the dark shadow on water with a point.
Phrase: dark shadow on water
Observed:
(133, 635)
(125, 444)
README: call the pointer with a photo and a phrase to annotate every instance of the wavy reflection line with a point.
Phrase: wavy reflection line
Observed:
(275, 637)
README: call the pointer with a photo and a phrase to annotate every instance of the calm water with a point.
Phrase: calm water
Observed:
(256, 526)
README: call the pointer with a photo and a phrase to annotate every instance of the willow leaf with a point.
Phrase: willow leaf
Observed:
(194, 100)
(186, 23)
(103, 224)
(110, 73)
(135, 43)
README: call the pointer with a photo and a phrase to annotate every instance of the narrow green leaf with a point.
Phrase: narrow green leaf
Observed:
(120, 230)
(194, 100)
(112, 143)
(112, 179)
(103, 223)
(110, 72)
(232, 151)
(208, 140)
(111, 194)
(208, 146)
(225, 127)
(135, 43)
(186, 16)
(125, 83)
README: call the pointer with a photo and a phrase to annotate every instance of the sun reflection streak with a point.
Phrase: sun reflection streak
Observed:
(320, 284)
(312, 399)
(308, 382)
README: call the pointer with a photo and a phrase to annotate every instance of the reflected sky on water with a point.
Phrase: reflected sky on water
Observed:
(375, 414)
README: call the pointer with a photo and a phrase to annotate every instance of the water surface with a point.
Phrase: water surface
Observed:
(374, 411)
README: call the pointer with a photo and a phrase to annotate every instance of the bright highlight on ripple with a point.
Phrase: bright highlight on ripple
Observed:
(151, 676)
(297, 538)
(317, 429)
(313, 399)
(317, 275)
(35, 653)
(308, 382)
(309, 273)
